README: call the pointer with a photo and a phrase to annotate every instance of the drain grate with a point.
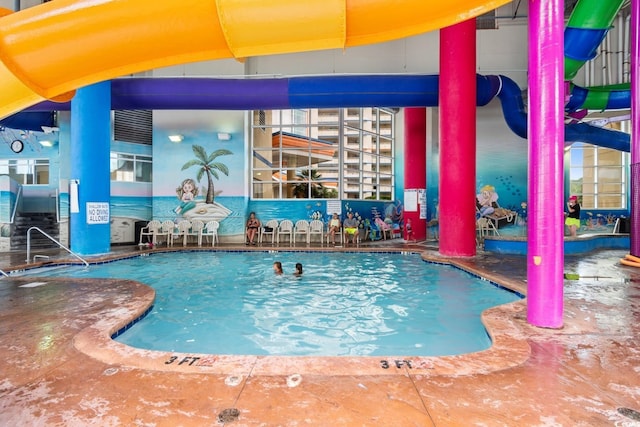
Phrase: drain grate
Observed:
(228, 415)
(630, 413)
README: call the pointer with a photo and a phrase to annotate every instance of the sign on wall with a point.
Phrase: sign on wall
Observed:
(97, 213)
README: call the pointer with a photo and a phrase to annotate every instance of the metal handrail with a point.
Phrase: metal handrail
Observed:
(4, 273)
(15, 207)
(54, 241)
(57, 206)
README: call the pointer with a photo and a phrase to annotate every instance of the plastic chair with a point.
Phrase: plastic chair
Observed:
(285, 228)
(384, 228)
(301, 229)
(211, 229)
(196, 230)
(269, 229)
(182, 230)
(151, 231)
(167, 231)
(316, 228)
(484, 227)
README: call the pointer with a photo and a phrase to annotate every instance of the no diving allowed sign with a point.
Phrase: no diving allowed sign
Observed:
(97, 213)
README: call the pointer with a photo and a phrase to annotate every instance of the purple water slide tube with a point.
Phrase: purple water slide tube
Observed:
(318, 92)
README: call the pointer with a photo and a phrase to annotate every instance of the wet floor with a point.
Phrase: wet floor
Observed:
(61, 368)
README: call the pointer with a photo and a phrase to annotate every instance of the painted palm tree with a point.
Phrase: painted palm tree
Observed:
(209, 166)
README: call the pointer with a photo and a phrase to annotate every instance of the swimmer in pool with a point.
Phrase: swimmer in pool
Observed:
(277, 268)
(298, 271)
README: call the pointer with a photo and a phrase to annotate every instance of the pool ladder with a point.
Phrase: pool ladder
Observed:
(54, 241)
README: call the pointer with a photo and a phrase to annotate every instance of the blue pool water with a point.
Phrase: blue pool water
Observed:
(345, 304)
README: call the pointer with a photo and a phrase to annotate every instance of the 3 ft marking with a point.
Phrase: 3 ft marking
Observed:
(398, 364)
(189, 360)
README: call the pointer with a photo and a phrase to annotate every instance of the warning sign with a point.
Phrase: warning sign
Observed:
(97, 213)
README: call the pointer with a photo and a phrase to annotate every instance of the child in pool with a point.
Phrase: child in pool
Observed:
(298, 271)
(277, 268)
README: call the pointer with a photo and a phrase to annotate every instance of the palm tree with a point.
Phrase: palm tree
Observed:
(302, 190)
(207, 164)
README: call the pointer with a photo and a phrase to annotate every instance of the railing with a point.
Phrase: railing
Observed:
(54, 241)
(57, 196)
(15, 206)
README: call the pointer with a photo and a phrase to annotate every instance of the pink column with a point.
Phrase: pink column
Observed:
(635, 129)
(457, 100)
(415, 163)
(545, 249)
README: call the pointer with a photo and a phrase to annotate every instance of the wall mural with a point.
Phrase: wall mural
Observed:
(204, 210)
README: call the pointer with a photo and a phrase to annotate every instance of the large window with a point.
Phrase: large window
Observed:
(130, 167)
(323, 153)
(598, 176)
(26, 171)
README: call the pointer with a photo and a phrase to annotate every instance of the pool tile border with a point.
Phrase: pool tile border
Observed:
(508, 348)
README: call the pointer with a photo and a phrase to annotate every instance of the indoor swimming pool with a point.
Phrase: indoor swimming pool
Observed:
(344, 304)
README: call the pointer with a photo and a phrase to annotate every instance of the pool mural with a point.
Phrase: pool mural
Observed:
(200, 177)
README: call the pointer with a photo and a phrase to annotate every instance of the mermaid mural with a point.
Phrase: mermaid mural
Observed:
(187, 193)
(206, 210)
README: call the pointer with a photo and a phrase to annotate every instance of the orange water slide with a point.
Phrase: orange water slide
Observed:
(48, 51)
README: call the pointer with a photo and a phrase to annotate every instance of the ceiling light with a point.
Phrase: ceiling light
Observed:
(176, 138)
(46, 143)
(224, 136)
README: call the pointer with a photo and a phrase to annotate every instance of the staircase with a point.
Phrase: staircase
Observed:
(44, 221)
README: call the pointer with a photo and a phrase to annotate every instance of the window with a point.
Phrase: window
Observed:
(26, 171)
(598, 176)
(130, 167)
(323, 153)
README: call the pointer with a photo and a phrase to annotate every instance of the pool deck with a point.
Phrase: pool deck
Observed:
(61, 368)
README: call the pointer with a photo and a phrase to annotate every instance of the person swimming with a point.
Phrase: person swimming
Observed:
(298, 271)
(277, 268)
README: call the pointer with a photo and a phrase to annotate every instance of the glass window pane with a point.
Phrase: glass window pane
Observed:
(42, 173)
(266, 190)
(144, 172)
(598, 175)
(302, 150)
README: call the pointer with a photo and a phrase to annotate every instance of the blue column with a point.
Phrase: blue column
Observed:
(89, 228)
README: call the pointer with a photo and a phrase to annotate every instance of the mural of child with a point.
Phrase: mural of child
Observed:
(486, 200)
(187, 193)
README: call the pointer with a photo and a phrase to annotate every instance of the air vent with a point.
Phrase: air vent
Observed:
(487, 21)
(134, 126)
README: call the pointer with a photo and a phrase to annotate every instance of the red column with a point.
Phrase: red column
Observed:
(457, 99)
(415, 164)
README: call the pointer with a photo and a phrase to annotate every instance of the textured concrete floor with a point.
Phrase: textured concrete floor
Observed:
(59, 366)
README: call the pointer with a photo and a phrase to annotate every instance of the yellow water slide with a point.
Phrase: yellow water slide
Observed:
(49, 50)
